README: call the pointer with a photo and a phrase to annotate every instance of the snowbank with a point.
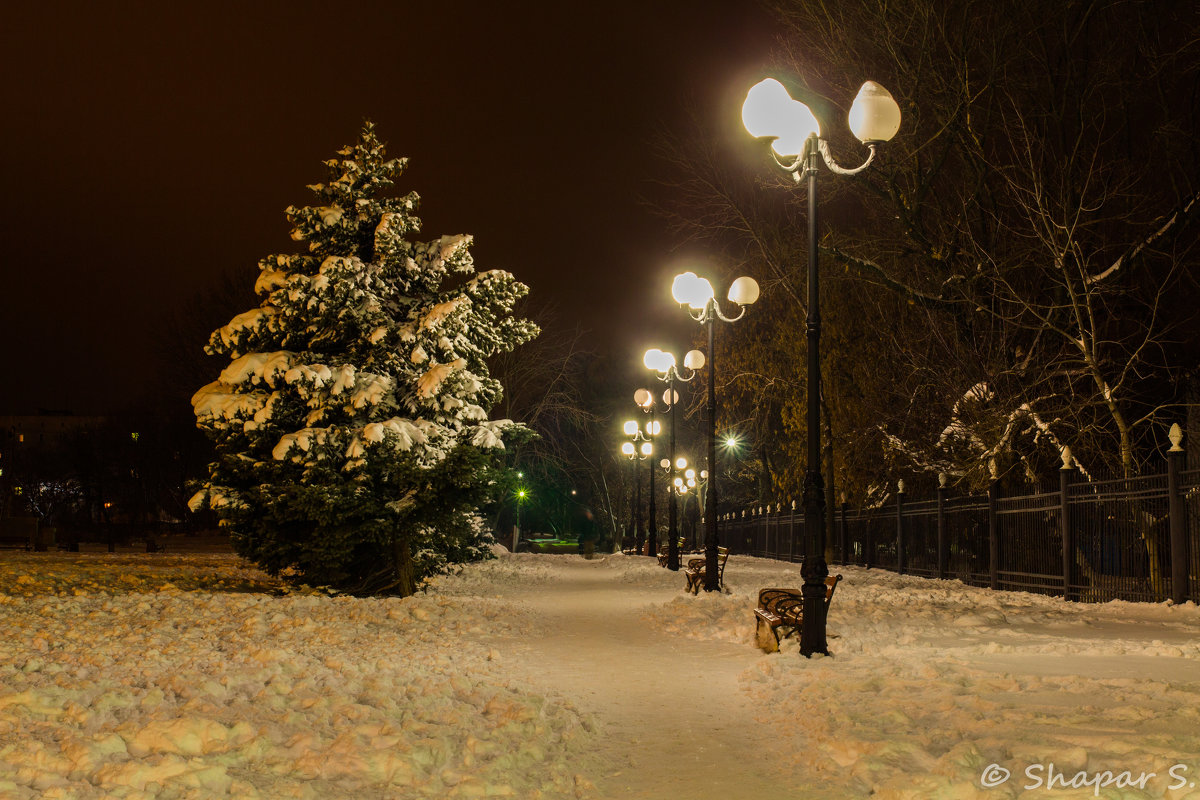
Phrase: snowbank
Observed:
(118, 682)
(132, 676)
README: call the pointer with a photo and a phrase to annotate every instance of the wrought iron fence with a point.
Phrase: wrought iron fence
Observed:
(1130, 539)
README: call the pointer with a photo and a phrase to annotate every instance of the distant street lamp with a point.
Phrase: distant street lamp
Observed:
(697, 294)
(645, 400)
(638, 448)
(694, 483)
(769, 112)
(685, 484)
(521, 494)
(664, 363)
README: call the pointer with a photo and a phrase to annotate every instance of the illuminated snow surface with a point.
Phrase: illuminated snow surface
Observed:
(551, 676)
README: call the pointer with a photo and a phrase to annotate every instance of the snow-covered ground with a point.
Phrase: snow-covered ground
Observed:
(551, 676)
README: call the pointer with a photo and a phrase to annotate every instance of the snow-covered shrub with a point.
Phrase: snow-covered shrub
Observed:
(351, 424)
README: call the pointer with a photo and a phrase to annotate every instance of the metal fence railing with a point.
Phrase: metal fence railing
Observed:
(1130, 539)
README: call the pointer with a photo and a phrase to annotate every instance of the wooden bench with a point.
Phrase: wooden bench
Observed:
(665, 555)
(780, 612)
(695, 571)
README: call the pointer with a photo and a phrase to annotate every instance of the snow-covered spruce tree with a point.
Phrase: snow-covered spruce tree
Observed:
(353, 444)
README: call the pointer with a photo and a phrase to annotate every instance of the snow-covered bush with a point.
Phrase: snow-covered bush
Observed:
(351, 424)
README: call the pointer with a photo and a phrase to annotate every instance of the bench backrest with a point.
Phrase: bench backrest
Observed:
(771, 598)
(830, 584)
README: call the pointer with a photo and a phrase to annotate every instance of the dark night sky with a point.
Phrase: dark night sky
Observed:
(148, 148)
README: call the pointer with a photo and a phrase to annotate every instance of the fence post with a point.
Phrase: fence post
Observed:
(868, 540)
(842, 538)
(1064, 522)
(1175, 510)
(900, 526)
(772, 534)
(993, 538)
(764, 535)
(792, 534)
(764, 521)
(943, 479)
(766, 525)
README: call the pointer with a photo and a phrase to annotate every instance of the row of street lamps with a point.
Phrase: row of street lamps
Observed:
(678, 485)
(664, 364)
(797, 146)
(697, 294)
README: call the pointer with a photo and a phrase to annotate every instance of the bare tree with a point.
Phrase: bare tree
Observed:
(1017, 274)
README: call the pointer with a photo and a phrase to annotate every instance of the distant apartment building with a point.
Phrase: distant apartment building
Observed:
(47, 427)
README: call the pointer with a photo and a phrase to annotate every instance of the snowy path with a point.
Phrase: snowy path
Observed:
(669, 710)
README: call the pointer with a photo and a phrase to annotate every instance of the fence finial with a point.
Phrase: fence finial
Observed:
(1176, 437)
(1066, 457)
(943, 479)
(900, 486)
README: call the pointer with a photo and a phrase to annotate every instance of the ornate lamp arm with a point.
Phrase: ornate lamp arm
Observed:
(827, 157)
(674, 374)
(796, 166)
(713, 311)
(717, 310)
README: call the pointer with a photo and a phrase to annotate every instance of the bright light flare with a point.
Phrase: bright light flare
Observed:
(769, 111)
(690, 289)
(658, 360)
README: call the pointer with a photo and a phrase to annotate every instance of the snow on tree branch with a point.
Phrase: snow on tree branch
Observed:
(1171, 222)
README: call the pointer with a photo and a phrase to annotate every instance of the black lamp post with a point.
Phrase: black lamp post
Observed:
(664, 363)
(683, 486)
(697, 294)
(645, 400)
(634, 504)
(770, 112)
(639, 448)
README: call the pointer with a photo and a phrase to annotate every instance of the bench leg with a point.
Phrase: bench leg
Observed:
(766, 637)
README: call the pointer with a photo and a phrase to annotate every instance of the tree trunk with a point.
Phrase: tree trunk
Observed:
(402, 565)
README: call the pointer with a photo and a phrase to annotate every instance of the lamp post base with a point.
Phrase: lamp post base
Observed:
(814, 569)
(812, 632)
